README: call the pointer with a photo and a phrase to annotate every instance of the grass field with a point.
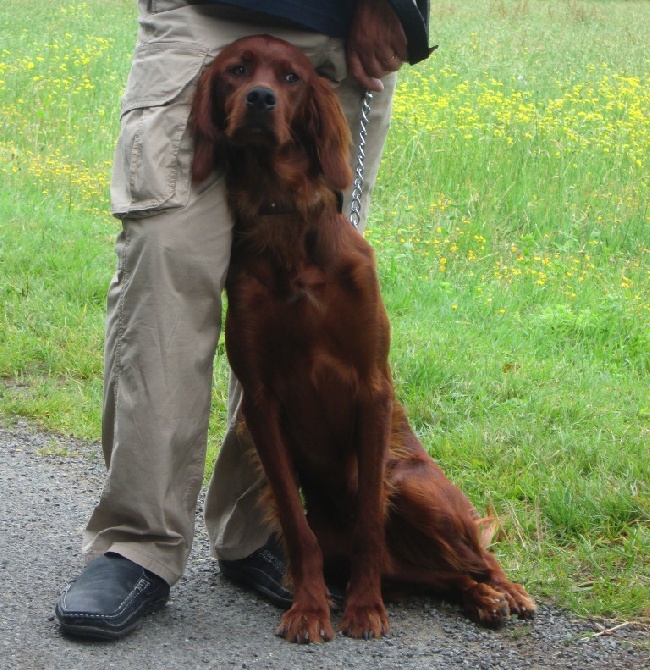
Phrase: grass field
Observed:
(512, 227)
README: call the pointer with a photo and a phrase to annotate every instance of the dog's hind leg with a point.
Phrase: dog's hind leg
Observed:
(434, 540)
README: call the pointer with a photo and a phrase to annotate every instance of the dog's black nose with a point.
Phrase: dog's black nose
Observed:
(260, 99)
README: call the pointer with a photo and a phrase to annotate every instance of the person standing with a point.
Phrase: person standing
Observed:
(164, 306)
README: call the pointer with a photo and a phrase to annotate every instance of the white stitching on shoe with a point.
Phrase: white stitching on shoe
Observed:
(140, 586)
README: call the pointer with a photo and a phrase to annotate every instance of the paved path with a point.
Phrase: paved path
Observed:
(47, 489)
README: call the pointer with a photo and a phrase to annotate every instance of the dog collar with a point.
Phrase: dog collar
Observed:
(270, 208)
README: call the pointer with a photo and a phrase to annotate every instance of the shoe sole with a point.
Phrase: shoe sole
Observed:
(92, 632)
(244, 579)
(252, 584)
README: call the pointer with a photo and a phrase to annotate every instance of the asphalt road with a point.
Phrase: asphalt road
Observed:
(48, 486)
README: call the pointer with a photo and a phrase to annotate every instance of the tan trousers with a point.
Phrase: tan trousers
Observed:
(164, 302)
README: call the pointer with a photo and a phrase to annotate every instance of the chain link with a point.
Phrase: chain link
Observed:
(357, 191)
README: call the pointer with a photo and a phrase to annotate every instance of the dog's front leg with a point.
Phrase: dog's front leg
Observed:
(365, 615)
(308, 619)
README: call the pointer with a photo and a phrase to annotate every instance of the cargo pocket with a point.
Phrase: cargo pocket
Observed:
(152, 167)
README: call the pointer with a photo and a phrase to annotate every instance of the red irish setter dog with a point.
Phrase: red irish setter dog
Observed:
(307, 336)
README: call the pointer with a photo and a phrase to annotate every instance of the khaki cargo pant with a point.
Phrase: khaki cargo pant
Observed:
(164, 302)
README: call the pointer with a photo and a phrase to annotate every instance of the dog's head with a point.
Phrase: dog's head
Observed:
(262, 92)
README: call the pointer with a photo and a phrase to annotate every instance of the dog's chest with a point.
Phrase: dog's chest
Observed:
(294, 286)
(289, 301)
(306, 281)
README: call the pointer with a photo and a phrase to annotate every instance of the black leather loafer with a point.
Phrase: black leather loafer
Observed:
(265, 571)
(109, 598)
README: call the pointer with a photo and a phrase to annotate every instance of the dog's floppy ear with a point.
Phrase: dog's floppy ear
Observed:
(329, 131)
(205, 125)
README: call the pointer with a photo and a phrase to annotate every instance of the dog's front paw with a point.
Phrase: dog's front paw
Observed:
(365, 621)
(306, 625)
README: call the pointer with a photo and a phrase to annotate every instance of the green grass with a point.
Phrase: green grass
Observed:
(512, 230)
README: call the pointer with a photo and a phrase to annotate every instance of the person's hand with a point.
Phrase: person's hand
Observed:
(376, 44)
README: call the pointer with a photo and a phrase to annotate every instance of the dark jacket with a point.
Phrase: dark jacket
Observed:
(329, 17)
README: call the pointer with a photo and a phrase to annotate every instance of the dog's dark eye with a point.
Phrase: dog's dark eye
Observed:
(237, 70)
(291, 78)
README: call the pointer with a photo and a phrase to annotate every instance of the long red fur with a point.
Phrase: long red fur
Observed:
(308, 338)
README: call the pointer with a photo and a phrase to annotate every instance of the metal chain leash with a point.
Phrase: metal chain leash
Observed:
(357, 191)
